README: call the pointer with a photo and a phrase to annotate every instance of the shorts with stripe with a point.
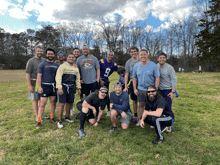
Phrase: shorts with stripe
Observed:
(68, 96)
(48, 90)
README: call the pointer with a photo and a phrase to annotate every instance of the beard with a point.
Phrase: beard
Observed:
(50, 58)
(152, 98)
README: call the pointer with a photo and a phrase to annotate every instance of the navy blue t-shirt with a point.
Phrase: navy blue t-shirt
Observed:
(48, 71)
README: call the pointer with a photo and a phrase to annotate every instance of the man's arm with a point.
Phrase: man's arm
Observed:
(126, 81)
(98, 74)
(157, 82)
(28, 77)
(87, 105)
(39, 76)
(135, 86)
(123, 107)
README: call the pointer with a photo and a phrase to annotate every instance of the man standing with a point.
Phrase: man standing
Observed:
(107, 67)
(89, 71)
(89, 107)
(168, 79)
(60, 57)
(157, 113)
(31, 74)
(46, 84)
(76, 52)
(128, 73)
(66, 77)
(119, 104)
(145, 73)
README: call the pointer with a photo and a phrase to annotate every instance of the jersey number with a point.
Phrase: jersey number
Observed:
(107, 71)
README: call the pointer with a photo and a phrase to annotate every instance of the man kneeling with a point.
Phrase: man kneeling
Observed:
(157, 113)
(89, 107)
(119, 104)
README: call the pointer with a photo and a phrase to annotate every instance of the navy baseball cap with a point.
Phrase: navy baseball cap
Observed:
(117, 84)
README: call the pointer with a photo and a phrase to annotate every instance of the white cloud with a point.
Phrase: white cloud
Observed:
(39, 27)
(13, 32)
(18, 13)
(3, 6)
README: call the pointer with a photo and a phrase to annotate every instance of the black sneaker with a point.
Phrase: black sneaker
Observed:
(158, 141)
(67, 119)
(112, 129)
(38, 125)
(53, 121)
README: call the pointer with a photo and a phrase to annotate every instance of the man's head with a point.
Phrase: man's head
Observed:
(85, 50)
(162, 58)
(152, 93)
(110, 56)
(60, 56)
(133, 51)
(121, 71)
(71, 58)
(143, 55)
(76, 52)
(38, 51)
(50, 54)
(118, 88)
(103, 91)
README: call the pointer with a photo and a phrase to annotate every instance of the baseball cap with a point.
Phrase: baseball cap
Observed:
(117, 83)
(162, 53)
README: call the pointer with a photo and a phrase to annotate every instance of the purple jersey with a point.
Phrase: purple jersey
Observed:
(106, 69)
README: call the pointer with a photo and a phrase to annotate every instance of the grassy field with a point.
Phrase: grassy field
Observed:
(196, 139)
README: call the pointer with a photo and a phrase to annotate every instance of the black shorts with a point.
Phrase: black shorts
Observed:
(90, 114)
(131, 91)
(67, 97)
(88, 88)
(48, 90)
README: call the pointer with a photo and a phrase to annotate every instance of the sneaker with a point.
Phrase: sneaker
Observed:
(38, 125)
(151, 127)
(36, 119)
(163, 130)
(59, 124)
(158, 141)
(72, 112)
(108, 114)
(81, 133)
(112, 129)
(67, 119)
(138, 123)
(53, 121)
(44, 117)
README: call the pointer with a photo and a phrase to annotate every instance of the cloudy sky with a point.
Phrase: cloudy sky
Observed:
(19, 15)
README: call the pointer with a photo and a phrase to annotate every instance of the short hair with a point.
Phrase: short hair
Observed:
(133, 47)
(144, 50)
(121, 70)
(49, 49)
(70, 54)
(75, 49)
(38, 46)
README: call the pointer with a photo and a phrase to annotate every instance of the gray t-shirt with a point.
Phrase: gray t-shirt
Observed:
(129, 67)
(87, 67)
(168, 77)
(31, 68)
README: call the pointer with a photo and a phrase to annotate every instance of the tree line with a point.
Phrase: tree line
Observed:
(188, 43)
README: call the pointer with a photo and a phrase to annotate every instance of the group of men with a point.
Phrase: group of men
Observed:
(144, 81)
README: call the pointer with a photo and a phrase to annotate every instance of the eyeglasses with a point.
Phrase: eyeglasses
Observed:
(151, 91)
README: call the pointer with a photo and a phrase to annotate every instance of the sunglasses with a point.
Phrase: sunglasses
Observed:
(151, 91)
(60, 54)
(104, 91)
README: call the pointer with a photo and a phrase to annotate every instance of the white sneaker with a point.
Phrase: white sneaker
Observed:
(151, 127)
(36, 119)
(108, 114)
(138, 123)
(68, 120)
(72, 112)
(44, 117)
(59, 124)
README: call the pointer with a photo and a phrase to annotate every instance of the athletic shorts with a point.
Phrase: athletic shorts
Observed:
(142, 96)
(131, 91)
(127, 119)
(34, 95)
(67, 97)
(90, 114)
(48, 90)
(90, 87)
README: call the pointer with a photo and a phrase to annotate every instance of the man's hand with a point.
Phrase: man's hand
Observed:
(171, 95)
(126, 89)
(102, 83)
(79, 92)
(75, 65)
(142, 123)
(40, 90)
(111, 105)
(136, 92)
(94, 111)
(81, 81)
(96, 124)
(30, 88)
(60, 91)
(123, 114)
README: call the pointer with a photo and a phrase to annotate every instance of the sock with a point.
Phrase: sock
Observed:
(135, 114)
(82, 120)
(51, 115)
(39, 119)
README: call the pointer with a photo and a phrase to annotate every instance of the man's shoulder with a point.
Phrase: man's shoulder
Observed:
(160, 99)
(125, 93)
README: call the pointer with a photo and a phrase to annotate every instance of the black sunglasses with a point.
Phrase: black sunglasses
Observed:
(104, 91)
(151, 91)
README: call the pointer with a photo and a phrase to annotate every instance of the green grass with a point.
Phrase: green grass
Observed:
(194, 141)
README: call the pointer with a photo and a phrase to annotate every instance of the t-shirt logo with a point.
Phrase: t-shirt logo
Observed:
(121, 99)
(87, 63)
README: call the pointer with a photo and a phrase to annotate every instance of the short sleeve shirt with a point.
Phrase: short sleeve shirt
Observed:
(93, 100)
(159, 103)
(145, 75)
(129, 67)
(87, 67)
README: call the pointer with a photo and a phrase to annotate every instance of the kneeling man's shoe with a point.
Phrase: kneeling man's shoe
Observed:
(112, 129)
(81, 133)
(158, 141)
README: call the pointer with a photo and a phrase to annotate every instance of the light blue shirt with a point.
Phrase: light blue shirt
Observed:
(145, 75)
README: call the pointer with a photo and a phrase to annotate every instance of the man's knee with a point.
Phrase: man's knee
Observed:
(124, 126)
(113, 113)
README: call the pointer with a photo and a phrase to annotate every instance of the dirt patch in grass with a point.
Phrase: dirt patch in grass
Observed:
(12, 75)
